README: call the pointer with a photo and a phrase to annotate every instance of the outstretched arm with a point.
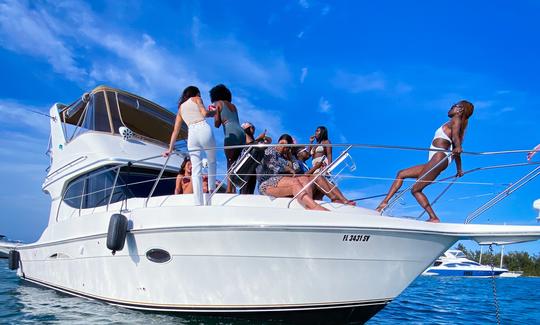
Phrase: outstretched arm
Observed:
(174, 135)
(533, 152)
(217, 116)
(456, 140)
(200, 104)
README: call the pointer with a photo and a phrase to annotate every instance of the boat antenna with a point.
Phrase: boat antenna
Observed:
(40, 113)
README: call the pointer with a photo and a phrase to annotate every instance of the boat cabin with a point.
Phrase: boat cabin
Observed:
(107, 109)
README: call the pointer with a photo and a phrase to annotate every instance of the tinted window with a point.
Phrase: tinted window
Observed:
(101, 116)
(73, 193)
(115, 115)
(94, 188)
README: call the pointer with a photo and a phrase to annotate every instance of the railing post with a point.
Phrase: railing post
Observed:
(397, 197)
(505, 193)
(325, 169)
(439, 196)
(157, 180)
(112, 190)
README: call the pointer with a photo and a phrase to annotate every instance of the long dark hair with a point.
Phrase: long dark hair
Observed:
(323, 135)
(190, 91)
(287, 138)
(183, 166)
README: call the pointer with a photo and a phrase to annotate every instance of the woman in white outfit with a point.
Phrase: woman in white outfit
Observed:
(448, 137)
(200, 137)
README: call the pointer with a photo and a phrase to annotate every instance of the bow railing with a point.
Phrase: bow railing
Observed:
(451, 181)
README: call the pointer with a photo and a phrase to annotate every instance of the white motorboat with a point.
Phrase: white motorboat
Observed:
(116, 234)
(511, 274)
(455, 263)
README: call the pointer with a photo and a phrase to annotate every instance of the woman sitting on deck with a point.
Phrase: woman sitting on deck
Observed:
(278, 161)
(323, 185)
(320, 153)
(183, 180)
(448, 137)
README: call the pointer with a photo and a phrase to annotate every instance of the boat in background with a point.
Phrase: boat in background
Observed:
(508, 274)
(511, 274)
(455, 263)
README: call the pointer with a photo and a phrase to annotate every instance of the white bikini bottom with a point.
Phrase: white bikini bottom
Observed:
(432, 153)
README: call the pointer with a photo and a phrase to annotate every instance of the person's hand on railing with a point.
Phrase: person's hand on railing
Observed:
(533, 152)
(167, 153)
(457, 151)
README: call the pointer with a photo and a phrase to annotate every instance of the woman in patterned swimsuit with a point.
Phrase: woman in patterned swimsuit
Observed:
(278, 161)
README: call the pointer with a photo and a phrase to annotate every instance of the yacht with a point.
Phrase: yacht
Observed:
(117, 234)
(455, 263)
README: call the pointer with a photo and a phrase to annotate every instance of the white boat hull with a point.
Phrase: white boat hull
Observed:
(236, 258)
(311, 263)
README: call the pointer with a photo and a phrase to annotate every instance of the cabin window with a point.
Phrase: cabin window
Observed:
(93, 189)
(73, 194)
(101, 117)
(108, 110)
(115, 113)
(437, 263)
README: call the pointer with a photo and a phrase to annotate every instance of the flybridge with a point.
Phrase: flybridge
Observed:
(106, 109)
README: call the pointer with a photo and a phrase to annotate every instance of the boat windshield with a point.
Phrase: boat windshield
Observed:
(107, 109)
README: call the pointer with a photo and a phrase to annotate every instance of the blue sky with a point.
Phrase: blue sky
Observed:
(373, 72)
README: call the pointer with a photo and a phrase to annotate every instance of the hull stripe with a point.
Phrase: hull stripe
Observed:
(213, 309)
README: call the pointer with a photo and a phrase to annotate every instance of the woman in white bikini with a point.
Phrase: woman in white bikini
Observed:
(320, 154)
(448, 137)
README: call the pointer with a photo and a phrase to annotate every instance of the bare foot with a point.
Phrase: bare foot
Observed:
(381, 206)
(344, 201)
(434, 220)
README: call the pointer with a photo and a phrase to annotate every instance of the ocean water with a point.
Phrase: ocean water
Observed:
(429, 300)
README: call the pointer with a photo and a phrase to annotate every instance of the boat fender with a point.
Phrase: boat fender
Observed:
(14, 259)
(116, 235)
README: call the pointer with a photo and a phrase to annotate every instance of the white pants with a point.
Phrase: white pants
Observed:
(200, 137)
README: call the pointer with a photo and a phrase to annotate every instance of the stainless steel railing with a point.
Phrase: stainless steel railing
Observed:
(453, 180)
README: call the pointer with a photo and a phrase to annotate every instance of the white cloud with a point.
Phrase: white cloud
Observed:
(303, 75)
(324, 105)
(325, 10)
(33, 32)
(403, 88)
(134, 61)
(260, 117)
(15, 114)
(357, 83)
(481, 104)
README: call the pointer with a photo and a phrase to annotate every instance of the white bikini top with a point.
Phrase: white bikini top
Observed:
(317, 149)
(190, 112)
(440, 134)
